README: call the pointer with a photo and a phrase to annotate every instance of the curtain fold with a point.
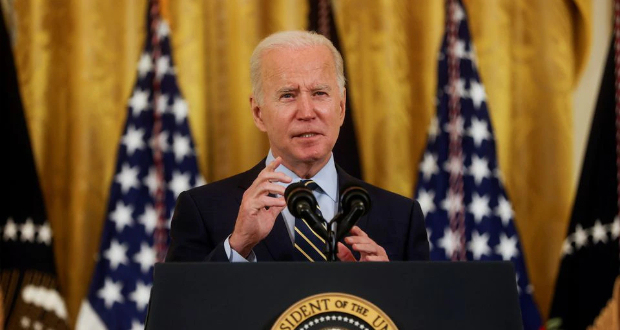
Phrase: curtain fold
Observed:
(77, 59)
(530, 54)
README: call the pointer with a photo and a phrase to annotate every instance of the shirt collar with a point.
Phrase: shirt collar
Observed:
(326, 178)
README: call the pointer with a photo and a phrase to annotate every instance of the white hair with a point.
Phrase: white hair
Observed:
(291, 39)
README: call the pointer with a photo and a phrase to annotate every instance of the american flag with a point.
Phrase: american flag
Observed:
(156, 162)
(468, 214)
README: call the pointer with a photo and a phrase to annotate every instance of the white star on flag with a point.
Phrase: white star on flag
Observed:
(450, 242)
(122, 216)
(145, 65)
(567, 247)
(426, 201)
(428, 167)
(116, 254)
(477, 94)
(148, 219)
(162, 66)
(478, 131)
(141, 295)
(504, 210)
(45, 234)
(581, 237)
(479, 245)
(461, 91)
(479, 207)
(128, 178)
(479, 169)
(163, 30)
(180, 109)
(136, 325)
(28, 231)
(458, 13)
(599, 234)
(139, 102)
(433, 129)
(111, 293)
(146, 257)
(179, 183)
(10, 230)
(181, 147)
(461, 52)
(133, 140)
(507, 247)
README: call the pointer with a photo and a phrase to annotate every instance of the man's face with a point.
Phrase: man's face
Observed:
(302, 108)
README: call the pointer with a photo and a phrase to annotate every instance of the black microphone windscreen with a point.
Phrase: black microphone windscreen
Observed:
(352, 195)
(297, 194)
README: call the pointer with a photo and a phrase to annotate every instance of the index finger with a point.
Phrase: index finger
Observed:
(357, 231)
(274, 164)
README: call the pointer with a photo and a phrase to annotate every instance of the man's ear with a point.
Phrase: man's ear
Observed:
(257, 114)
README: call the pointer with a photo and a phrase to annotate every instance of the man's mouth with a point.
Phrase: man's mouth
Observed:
(307, 135)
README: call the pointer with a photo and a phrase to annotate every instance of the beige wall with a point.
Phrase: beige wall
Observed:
(586, 93)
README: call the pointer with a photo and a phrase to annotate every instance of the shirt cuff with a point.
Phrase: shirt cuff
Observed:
(234, 256)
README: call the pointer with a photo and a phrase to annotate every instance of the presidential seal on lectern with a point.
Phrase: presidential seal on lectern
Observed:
(333, 311)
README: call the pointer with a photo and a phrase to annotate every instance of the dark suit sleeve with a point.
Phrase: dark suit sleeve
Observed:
(417, 241)
(189, 237)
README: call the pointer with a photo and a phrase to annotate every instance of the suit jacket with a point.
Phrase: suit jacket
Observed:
(205, 216)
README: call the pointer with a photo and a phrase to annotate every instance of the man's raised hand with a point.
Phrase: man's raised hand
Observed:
(258, 210)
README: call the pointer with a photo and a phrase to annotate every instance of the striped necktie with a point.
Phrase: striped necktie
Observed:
(309, 246)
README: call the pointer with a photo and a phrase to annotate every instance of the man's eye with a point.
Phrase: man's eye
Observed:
(320, 93)
(287, 96)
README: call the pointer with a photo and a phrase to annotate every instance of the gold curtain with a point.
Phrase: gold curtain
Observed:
(530, 53)
(77, 59)
(76, 64)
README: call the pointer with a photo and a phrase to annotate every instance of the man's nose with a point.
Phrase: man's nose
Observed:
(305, 107)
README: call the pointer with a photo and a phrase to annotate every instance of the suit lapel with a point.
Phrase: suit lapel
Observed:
(277, 245)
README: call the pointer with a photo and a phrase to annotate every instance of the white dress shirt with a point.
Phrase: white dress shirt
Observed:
(326, 196)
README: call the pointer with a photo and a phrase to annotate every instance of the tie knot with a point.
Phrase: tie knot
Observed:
(310, 184)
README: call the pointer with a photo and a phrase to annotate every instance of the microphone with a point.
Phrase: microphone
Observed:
(355, 203)
(302, 204)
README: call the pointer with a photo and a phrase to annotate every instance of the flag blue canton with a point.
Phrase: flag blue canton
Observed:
(120, 288)
(489, 230)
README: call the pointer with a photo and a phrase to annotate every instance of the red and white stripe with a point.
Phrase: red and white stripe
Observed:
(161, 234)
(457, 219)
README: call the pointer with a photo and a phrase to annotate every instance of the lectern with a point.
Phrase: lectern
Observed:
(298, 295)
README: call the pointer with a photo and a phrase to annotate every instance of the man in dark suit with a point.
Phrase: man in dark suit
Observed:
(298, 99)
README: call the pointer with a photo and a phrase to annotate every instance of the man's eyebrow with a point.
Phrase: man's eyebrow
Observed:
(324, 87)
(286, 90)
